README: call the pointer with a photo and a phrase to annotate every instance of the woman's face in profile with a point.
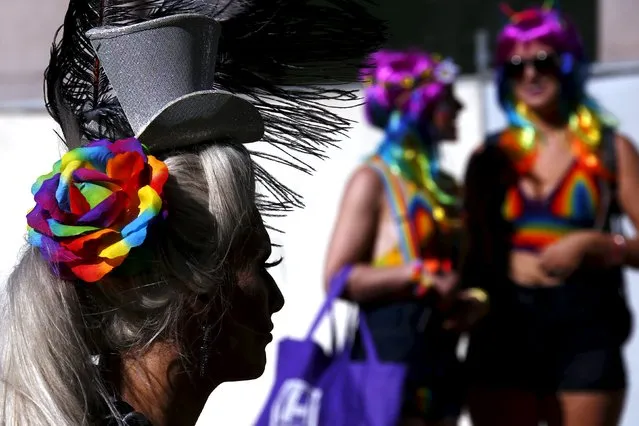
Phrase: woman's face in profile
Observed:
(445, 115)
(246, 327)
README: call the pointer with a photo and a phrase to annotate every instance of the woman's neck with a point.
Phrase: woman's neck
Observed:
(407, 155)
(549, 120)
(156, 385)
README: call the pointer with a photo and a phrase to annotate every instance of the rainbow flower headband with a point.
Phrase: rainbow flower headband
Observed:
(409, 82)
(95, 206)
(418, 70)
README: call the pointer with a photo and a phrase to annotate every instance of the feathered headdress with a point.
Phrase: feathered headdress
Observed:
(280, 55)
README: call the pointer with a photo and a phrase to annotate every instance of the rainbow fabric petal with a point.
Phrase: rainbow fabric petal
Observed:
(94, 193)
(95, 206)
(77, 203)
(160, 174)
(60, 230)
(38, 183)
(132, 145)
(37, 220)
(134, 233)
(106, 213)
(90, 175)
(45, 198)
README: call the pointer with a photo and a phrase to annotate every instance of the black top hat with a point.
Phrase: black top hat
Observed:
(162, 71)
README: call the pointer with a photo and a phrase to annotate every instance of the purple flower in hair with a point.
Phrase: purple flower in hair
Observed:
(409, 82)
(446, 71)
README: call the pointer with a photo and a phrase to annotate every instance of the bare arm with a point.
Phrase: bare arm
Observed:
(601, 245)
(353, 241)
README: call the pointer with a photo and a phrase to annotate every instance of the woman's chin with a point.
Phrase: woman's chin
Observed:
(248, 369)
(539, 106)
(540, 103)
(251, 373)
(449, 135)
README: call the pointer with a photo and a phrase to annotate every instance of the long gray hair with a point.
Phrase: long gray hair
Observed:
(51, 329)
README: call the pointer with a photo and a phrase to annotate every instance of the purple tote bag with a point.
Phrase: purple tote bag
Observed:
(313, 388)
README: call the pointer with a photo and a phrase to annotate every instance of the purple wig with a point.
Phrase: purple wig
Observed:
(543, 25)
(406, 82)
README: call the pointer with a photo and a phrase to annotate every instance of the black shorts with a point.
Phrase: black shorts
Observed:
(551, 339)
(436, 396)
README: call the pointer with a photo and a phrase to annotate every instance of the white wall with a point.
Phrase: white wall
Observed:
(29, 148)
(618, 35)
(26, 33)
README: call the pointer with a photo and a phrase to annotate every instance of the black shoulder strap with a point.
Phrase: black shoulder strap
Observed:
(609, 149)
(610, 212)
(492, 139)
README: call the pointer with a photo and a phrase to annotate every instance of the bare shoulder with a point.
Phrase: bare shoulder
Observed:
(364, 181)
(625, 146)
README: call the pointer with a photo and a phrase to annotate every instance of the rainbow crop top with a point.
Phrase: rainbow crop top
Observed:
(572, 205)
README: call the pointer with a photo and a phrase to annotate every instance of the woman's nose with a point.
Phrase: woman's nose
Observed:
(276, 298)
(530, 72)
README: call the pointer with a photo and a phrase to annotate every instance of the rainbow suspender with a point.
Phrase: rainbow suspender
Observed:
(397, 198)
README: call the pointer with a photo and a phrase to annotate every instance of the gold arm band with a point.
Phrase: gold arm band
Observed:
(479, 295)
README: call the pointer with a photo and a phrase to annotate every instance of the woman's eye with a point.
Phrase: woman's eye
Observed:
(269, 265)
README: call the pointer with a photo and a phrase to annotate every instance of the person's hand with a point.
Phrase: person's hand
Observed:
(562, 258)
(442, 285)
(445, 285)
(526, 270)
(468, 309)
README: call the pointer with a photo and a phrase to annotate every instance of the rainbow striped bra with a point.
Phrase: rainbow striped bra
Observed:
(573, 204)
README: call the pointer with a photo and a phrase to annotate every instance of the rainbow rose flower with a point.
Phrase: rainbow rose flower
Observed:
(95, 206)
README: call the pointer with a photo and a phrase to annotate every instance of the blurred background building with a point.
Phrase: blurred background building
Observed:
(449, 26)
(463, 29)
(26, 32)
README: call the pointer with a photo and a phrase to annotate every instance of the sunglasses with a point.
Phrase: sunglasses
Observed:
(543, 63)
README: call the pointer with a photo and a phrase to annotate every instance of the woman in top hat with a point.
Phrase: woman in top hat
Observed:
(145, 282)
(541, 198)
(399, 226)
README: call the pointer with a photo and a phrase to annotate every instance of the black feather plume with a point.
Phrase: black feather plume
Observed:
(77, 92)
(287, 57)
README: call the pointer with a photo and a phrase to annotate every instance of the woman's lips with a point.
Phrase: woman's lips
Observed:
(534, 89)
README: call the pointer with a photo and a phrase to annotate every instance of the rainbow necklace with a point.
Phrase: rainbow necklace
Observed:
(408, 156)
(521, 142)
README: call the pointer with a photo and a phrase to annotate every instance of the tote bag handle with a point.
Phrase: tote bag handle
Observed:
(338, 284)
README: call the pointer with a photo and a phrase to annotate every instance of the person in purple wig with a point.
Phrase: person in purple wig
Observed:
(398, 226)
(542, 202)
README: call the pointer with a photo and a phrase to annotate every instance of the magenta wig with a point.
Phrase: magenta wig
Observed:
(405, 82)
(544, 25)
